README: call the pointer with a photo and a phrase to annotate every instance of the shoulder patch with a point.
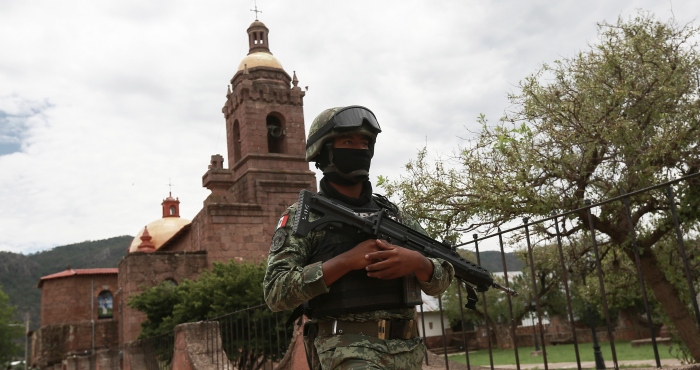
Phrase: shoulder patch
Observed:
(283, 220)
(278, 240)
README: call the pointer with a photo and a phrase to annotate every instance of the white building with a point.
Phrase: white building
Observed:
(431, 317)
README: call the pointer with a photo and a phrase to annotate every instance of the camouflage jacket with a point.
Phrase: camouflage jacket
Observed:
(290, 280)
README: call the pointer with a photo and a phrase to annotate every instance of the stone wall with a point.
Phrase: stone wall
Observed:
(51, 344)
(70, 299)
(139, 271)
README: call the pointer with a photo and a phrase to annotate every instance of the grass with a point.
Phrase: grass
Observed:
(564, 353)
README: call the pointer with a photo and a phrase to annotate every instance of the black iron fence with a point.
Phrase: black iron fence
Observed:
(249, 339)
(256, 338)
(155, 352)
(544, 230)
(253, 338)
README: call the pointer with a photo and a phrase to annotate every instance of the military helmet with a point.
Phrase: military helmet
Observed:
(337, 121)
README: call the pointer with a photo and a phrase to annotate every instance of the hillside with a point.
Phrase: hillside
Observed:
(19, 274)
(491, 260)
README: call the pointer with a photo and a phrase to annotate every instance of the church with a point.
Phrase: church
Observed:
(84, 312)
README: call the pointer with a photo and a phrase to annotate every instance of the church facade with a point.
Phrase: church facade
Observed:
(265, 137)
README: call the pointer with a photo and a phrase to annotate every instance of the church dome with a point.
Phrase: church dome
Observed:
(259, 59)
(161, 230)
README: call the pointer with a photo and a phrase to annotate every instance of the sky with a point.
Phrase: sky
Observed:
(105, 104)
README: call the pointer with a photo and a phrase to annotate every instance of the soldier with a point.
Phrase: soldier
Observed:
(359, 294)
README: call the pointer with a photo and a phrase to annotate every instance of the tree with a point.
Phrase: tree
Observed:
(10, 330)
(225, 288)
(622, 115)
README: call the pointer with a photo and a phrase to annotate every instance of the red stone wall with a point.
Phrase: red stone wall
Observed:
(53, 343)
(69, 299)
(139, 271)
(243, 231)
(254, 96)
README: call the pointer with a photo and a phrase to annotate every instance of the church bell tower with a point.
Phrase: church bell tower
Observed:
(265, 138)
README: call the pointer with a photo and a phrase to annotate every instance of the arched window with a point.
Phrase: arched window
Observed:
(172, 210)
(104, 305)
(275, 134)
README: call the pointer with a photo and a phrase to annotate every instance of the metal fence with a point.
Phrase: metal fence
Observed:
(256, 338)
(157, 352)
(253, 338)
(544, 230)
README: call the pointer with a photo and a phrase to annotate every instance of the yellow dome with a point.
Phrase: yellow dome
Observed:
(161, 230)
(259, 59)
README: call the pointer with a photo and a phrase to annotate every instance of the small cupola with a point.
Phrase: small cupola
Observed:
(257, 37)
(171, 206)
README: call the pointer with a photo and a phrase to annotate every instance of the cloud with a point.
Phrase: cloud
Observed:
(102, 103)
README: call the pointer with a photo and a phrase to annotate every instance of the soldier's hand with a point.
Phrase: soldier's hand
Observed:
(354, 259)
(393, 262)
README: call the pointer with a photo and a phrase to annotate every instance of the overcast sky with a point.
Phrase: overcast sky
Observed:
(103, 103)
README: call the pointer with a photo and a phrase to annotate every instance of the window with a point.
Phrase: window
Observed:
(275, 134)
(172, 210)
(104, 305)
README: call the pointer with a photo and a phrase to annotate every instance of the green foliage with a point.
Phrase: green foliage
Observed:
(225, 288)
(622, 115)
(10, 330)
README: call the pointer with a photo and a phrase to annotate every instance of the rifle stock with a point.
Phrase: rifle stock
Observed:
(317, 212)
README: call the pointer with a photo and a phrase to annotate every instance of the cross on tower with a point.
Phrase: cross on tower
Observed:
(256, 10)
(170, 186)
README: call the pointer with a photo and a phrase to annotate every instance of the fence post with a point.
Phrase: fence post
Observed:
(422, 321)
(483, 299)
(534, 290)
(444, 337)
(599, 269)
(640, 277)
(510, 303)
(565, 274)
(461, 314)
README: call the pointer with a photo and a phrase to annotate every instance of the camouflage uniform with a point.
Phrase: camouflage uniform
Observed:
(290, 281)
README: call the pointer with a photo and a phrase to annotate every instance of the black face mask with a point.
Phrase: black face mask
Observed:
(349, 166)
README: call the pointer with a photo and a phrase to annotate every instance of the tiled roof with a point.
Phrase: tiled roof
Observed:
(71, 272)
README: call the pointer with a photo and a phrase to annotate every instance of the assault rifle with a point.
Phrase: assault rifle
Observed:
(317, 212)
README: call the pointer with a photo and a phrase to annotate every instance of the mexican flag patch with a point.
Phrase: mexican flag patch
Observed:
(283, 221)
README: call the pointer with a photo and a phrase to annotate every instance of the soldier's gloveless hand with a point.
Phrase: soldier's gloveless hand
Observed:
(392, 262)
(354, 259)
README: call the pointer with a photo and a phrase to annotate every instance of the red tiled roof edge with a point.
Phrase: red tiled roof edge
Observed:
(72, 272)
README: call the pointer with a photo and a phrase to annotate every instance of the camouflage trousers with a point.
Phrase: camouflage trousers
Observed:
(354, 351)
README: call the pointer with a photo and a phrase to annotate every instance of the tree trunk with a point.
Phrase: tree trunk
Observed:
(668, 296)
